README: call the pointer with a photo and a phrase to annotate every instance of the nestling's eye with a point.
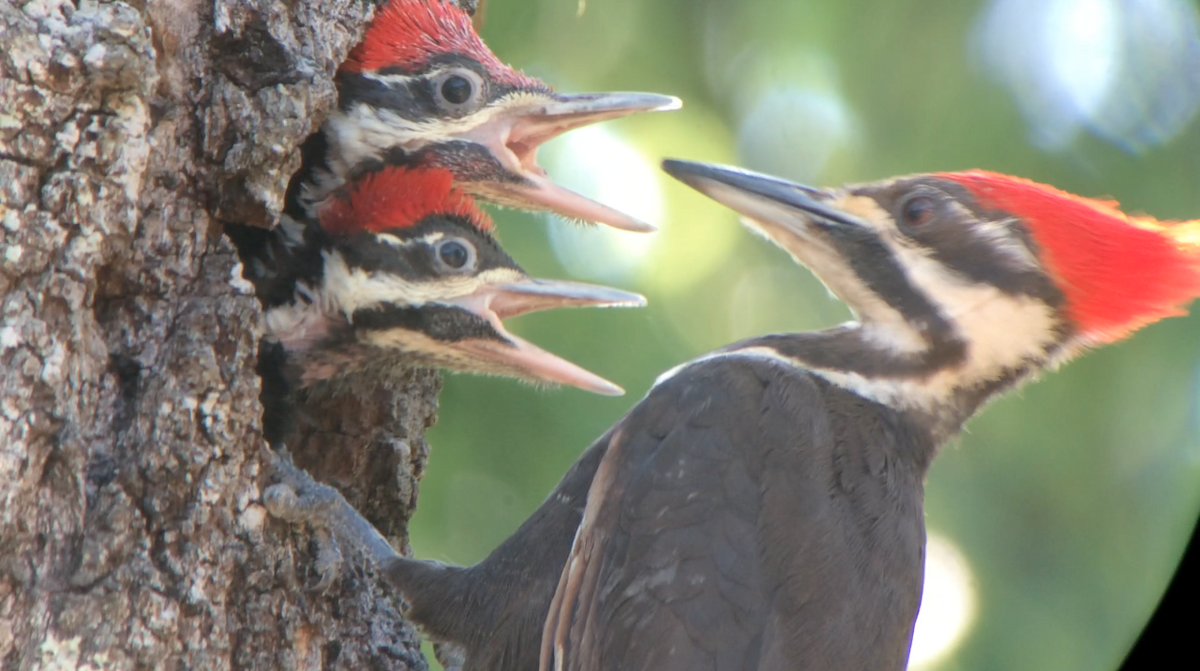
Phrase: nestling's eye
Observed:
(458, 88)
(919, 210)
(455, 254)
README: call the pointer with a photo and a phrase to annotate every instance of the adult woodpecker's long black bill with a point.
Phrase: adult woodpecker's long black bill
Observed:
(842, 249)
(763, 197)
(528, 120)
(496, 302)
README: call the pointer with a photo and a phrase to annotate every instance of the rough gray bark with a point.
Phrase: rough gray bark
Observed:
(131, 463)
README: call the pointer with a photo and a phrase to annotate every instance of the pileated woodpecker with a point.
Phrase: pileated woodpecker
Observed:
(423, 89)
(400, 269)
(762, 507)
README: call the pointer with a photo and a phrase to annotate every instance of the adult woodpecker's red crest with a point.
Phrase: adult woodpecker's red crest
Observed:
(398, 197)
(408, 34)
(1118, 272)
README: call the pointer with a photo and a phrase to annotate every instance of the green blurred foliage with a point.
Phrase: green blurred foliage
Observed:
(1071, 500)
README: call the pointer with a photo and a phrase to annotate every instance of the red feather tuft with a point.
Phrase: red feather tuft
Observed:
(407, 34)
(1118, 272)
(398, 197)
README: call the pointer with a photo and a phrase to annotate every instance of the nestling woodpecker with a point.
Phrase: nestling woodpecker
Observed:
(400, 269)
(423, 89)
(762, 506)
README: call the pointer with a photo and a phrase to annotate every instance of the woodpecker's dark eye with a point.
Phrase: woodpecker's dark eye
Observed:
(455, 254)
(457, 90)
(919, 210)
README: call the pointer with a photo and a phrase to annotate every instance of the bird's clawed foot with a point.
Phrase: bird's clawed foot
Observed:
(297, 498)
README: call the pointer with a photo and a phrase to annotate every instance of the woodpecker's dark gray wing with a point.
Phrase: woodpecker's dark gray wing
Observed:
(746, 515)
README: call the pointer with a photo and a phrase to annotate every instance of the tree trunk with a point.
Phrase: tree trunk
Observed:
(131, 460)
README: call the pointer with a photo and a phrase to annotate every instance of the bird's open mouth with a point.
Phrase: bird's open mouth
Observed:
(508, 352)
(514, 135)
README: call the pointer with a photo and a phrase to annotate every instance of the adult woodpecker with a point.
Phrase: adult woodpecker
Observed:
(762, 507)
(422, 88)
(400, 269)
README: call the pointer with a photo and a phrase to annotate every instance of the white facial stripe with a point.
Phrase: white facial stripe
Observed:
(436, 353)
(397, 80)
(902, 394)
(404, 340)
(890, 392)
(761, 353)
(1002, 239)
(877, 315)
(1000, 329)
(393, 241)
(299, 325)
(1001, 332)
(364, 132)
(864, 208)
(350, 289)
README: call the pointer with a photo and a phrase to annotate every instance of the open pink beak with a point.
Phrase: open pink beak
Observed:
(497, 302)
(514, 135)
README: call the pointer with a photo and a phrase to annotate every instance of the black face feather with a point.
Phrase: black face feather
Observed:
(414, 259)
(275, 263)
(876, 266)
(436, 93)
(469, 161)
(278, 262)
(948, 229)
(313, 154)
(445, 323)
(452, 87)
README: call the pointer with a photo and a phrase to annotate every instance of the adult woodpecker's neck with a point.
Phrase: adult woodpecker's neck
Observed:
(940, 385)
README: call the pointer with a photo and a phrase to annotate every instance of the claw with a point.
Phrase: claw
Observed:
(329, 561)
(298, 498)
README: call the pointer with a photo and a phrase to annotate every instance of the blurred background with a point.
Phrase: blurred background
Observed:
(1057, 519)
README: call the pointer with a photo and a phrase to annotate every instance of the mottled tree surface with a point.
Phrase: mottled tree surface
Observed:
(131, 462)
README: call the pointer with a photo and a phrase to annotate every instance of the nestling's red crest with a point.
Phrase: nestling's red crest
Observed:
(398, 197)
(407, 34)
(1118, 272)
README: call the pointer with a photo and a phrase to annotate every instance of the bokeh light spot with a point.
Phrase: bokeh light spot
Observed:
(793, 132)
(948, 603)
(1128, 72)
(598, 163)
(779, 298)
(1081, 41)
